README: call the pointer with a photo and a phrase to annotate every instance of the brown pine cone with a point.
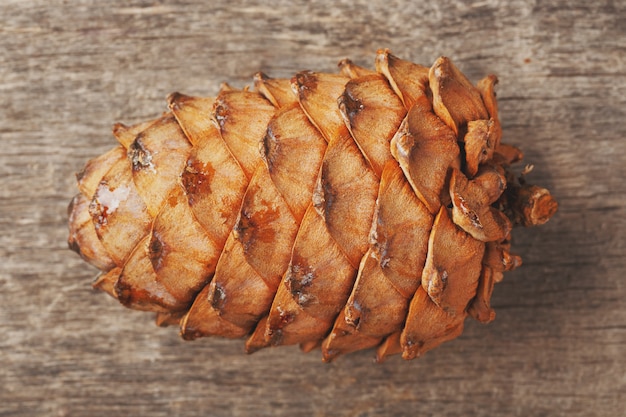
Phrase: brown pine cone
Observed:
(348, 211)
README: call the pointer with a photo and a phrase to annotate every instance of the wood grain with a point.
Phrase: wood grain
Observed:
(69, 69)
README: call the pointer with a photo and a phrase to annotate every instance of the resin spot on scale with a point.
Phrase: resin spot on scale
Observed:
(140, 157)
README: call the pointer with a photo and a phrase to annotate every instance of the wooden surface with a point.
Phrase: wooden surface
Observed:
(69, 69)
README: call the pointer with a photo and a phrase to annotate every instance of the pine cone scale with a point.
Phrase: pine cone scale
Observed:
(242, 117)
(213, 180)
(290, 133)
(372, 112)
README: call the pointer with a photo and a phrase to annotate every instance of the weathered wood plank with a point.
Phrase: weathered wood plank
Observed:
(69, 69)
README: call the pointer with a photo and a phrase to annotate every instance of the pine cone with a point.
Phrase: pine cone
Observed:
(343, 211)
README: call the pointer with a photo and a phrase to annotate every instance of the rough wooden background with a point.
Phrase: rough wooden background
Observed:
(69, 69)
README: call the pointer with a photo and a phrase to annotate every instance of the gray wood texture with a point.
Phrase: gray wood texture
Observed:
(70, 68)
